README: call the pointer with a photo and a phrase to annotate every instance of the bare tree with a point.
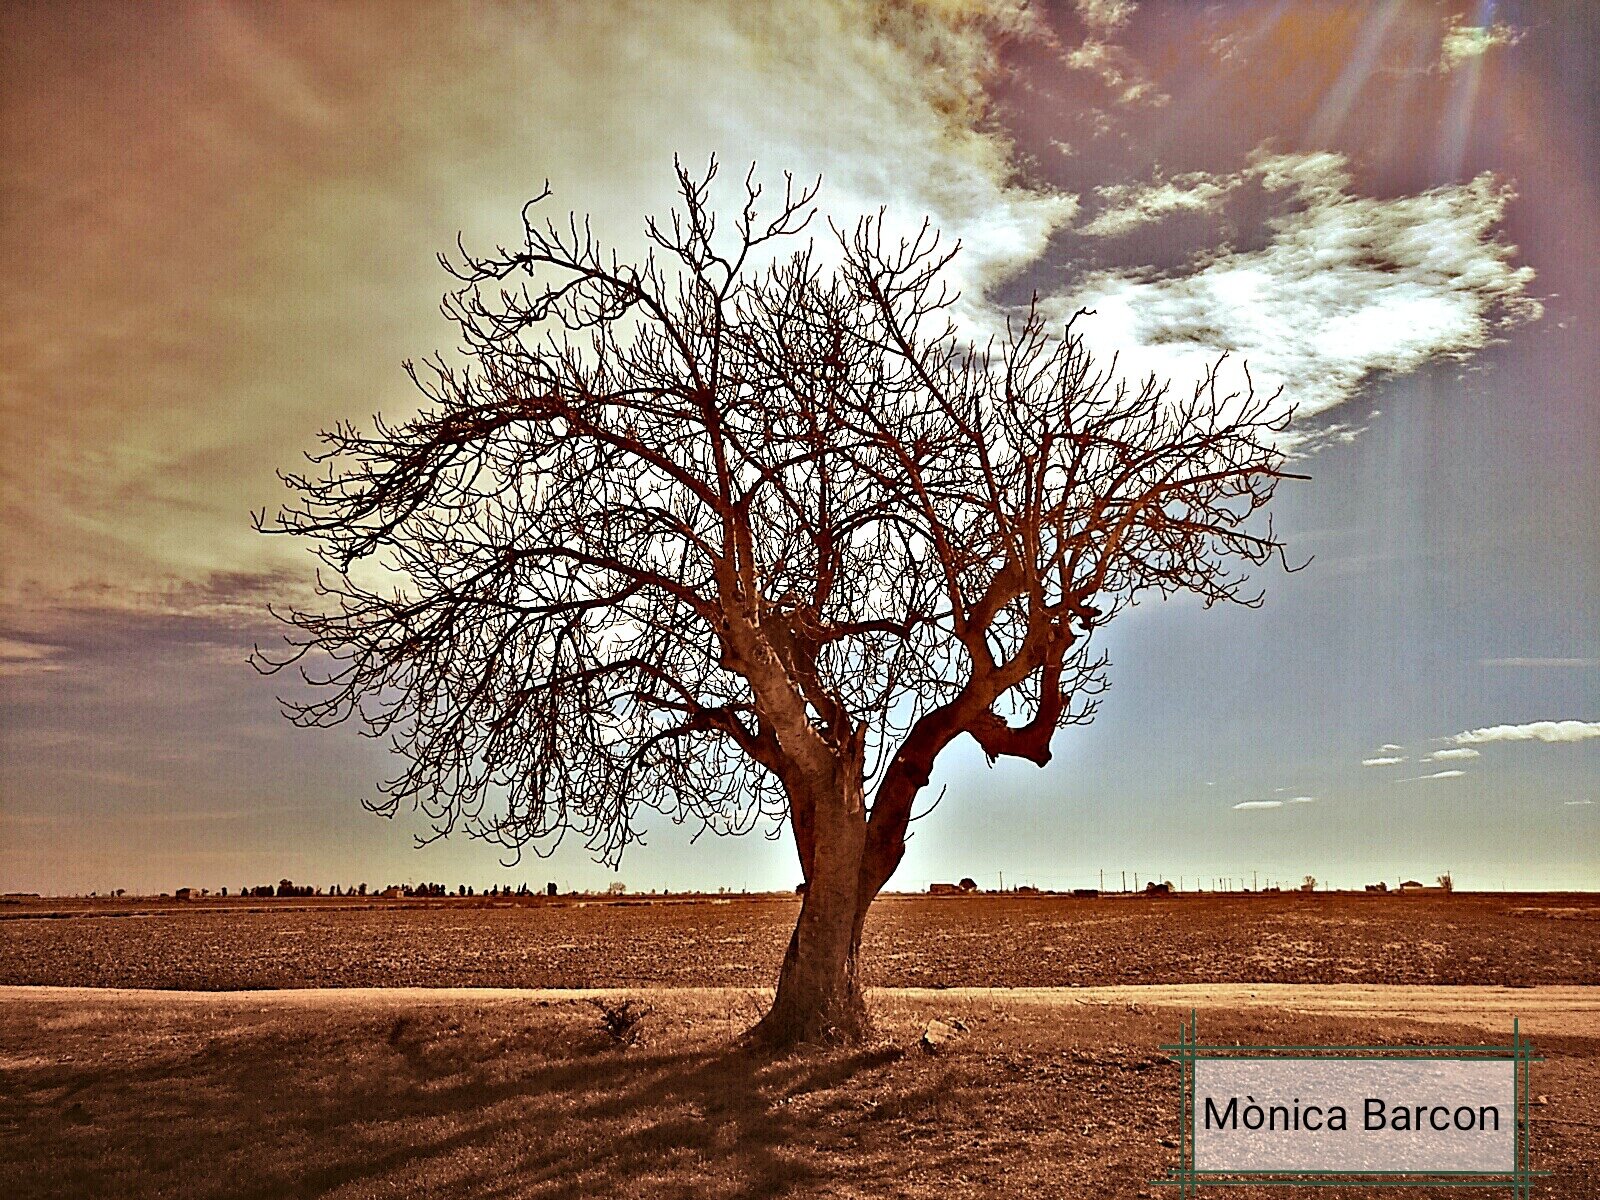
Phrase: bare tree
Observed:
(748, 539)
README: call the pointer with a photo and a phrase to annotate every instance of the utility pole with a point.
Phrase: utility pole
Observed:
(1124, 881)
(1254, 883)
(1002, 881)
(1102, 879)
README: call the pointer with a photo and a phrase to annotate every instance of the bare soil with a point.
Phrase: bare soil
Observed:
(383, 1094)
(972, 941)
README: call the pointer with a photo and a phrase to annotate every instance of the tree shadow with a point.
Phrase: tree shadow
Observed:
(429, 1105)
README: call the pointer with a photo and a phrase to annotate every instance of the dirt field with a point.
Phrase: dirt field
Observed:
(386, 1094)
(385, 1070)
(978, 941)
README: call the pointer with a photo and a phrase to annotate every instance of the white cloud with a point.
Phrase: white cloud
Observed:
(1542, 731)
(1128, 206)
(1455, 752)
(1347, 287)
(1390, 746)
(1105, 16)
(1258, 804)
(1118, 70)
(1302, 799)
(1381, 762)
(1540, 662)
(1577, 803)
(1464, 43)
(1442, 775)
(887, 102)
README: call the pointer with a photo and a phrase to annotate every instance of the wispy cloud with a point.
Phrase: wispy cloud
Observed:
(1454, 752)
(887, 102)
(1118, 71)
(1385, 761)
(1463, 43)
(1435, 775)
(1122, 75)
(1532, 731)
(18, 657)
(1302, 800)
(1540, 662)
(1347, 286)
(1105, 16)
(1128, 206)
(1577, 803)
(1388, 746)
(1247, 804)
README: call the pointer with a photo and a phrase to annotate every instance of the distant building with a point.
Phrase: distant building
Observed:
(1380, 886)
(1413, 885)
(184, 893)
(1086, 893)
(1158, 889)
(944, 889)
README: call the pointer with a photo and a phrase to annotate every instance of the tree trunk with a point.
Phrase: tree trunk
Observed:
(819, 998)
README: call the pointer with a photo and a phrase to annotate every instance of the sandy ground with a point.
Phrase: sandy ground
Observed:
(1567, 1011)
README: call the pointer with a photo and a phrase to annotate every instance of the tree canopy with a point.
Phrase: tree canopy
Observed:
(745, 526)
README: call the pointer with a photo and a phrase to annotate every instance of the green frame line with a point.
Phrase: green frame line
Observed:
(1189, 1050)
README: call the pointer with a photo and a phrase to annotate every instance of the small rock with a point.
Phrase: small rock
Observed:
(936, 1034)
(1541, 1099)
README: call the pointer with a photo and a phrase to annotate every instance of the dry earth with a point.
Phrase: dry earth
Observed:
(383, 1094)
(344, 1086)
(978, 941)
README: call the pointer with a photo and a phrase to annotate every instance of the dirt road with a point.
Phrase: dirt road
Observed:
(1556, 1010)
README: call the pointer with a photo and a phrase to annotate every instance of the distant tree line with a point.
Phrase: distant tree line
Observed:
(287, 887)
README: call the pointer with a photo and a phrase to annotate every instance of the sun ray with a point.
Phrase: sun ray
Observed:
(1336, 105)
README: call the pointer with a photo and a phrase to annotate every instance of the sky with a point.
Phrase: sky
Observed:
(219, 223)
